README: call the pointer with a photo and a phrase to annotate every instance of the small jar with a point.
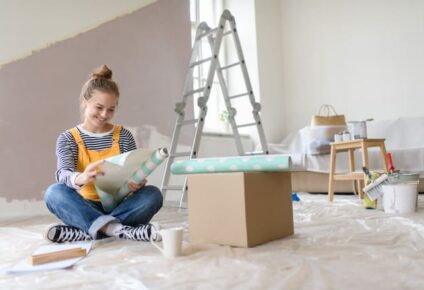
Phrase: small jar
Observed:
(346, 136)
(338, 137)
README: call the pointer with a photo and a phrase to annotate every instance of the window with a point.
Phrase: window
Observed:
(210, 12)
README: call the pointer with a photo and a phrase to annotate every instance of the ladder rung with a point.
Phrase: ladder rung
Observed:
(246, 125)
(188, 122)
(173, 187)
(238, 96)
(201, 61)
(207, 33)
(255, 153)
(227, 32)
(180, 154)
(194, 92)
(231, 65)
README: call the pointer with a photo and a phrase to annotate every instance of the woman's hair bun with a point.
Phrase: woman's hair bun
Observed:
(102, 72)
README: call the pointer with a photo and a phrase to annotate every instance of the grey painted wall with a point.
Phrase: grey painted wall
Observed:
(148, 52)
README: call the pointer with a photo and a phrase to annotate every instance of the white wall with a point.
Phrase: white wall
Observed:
(269, 49)
(28, 25)
(364, 57)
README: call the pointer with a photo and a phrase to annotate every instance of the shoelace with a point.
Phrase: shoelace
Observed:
(140, 233)
(68, 234)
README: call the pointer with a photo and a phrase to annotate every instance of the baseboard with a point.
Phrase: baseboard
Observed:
(21, 208)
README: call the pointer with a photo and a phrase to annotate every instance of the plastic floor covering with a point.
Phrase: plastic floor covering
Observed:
(336, 245)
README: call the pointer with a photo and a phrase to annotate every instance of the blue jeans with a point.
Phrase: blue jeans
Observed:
(69, 206)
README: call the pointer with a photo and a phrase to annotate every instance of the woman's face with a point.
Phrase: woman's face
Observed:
(99, 110)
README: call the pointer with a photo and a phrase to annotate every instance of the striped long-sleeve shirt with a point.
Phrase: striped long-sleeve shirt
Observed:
(67, 151)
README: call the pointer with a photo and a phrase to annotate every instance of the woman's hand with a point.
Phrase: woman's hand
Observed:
(90, 173)
(134, 186)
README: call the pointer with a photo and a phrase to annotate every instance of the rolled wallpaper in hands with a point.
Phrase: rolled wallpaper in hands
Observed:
(112, 197)
(146, 168)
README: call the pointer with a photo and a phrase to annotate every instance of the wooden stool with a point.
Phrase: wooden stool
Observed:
(350, 147)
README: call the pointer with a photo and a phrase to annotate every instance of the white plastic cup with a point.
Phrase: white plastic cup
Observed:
(400, 198)
(172, 241)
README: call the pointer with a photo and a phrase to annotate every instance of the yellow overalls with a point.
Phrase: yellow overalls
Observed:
(85, 157)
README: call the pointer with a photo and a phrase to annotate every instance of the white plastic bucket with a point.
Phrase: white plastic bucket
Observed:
(400, 197)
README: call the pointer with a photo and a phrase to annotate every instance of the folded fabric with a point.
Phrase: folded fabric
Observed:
(278, 162)
(319, 147)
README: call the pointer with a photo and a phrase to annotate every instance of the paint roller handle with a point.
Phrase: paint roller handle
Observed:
(390, 167)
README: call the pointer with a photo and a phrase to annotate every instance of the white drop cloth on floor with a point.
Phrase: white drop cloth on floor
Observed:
(336, 245)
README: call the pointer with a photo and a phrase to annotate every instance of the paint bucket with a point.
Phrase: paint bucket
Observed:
(404, 176)
(358, 129)
(400, 197)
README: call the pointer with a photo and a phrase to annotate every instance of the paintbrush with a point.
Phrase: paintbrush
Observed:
(374, 189)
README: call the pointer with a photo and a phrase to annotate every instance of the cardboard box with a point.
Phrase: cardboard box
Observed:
(239, 209)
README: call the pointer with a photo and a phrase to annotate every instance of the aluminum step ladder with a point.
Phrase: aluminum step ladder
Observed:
(214, 40)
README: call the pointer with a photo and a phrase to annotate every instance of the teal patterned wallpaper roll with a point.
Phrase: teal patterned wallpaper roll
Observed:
(233, 164)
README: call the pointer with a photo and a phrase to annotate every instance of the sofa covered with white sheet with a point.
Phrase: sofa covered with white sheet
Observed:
(404, 140)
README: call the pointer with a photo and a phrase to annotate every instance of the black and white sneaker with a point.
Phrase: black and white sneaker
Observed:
(63, 233)
(141, 232)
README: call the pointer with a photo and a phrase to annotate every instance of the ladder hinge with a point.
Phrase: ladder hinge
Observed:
(206, 33)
